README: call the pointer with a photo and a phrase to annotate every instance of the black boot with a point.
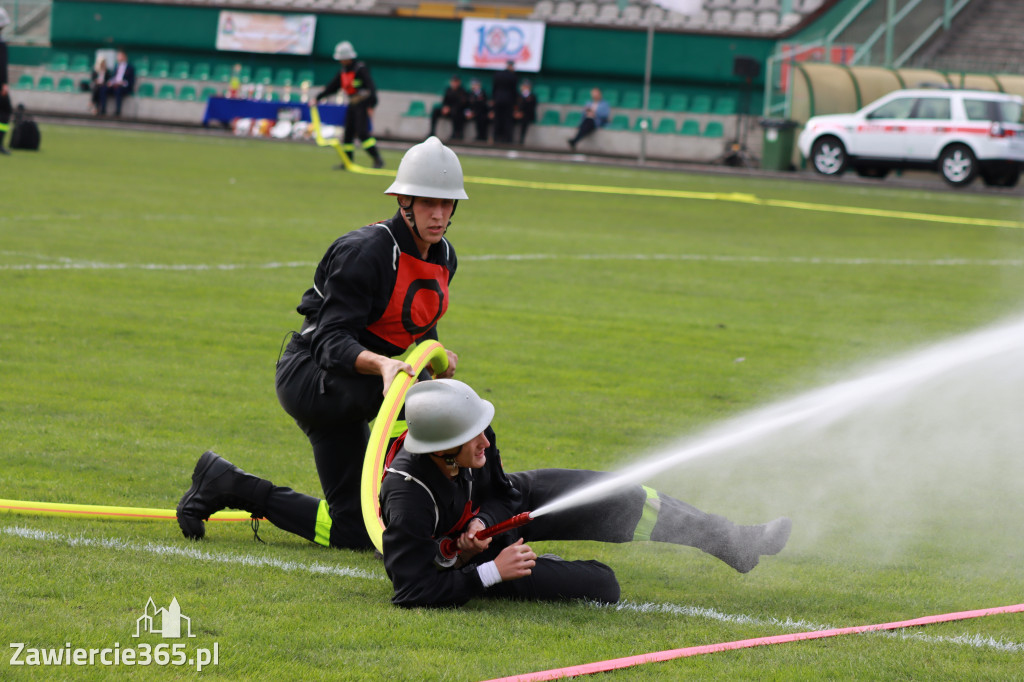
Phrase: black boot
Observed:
(739, 546)
(378, 162)
(216, 484)
(3, 150)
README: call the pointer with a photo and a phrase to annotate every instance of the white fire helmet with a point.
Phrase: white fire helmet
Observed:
(344, 51)
(430, 170)
(443, 414)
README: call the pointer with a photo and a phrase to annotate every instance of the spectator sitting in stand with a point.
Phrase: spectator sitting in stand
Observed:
(479, 109)
(97, 83)
(526, 109)
(452, 106)
(121, 83)
(595, 115)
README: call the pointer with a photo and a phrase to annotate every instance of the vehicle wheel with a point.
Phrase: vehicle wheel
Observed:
(872, 172)
(1001, 178)
(828, 155)
(958, 165)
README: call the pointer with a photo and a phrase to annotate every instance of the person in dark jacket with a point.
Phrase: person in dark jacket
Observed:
(479, 110)
(526, 109)
(355, 81)
(453, 107)
(377, 291)
(5, 93)
(98, 83)
(120, 84)
(504, 90)
(446, 480)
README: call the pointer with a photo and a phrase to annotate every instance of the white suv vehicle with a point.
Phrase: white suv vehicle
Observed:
(960, 133)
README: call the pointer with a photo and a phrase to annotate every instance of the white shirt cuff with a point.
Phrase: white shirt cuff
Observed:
(488, 574)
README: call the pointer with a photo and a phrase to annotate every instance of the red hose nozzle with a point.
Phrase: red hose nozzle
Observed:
(449, 549)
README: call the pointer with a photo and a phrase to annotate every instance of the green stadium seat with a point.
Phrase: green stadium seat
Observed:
(714, 129)
(305, 76)
(551, 117)
(690, 127)
(245, 74)
(543, 93)
(45, 84)
(141, 67)
(416, 108)
(181, 70)
(58, 62)
(631, 99)
(167, 92)
(724, 106)
(221, 73)
(619, 122)
(657, 101)
(612, 97)
(66, 85)
(666, 126)
(201, 71)
(638, 123)
(25, 82)
(678, 102)
(284, 77)
(79, 64)
(295, 98)
(208, 92)
(264, 75)
(582, 97)
(563, 95)
(187, 94)
(701, 104)
(160, 68)
(145, 90)
(573, 119)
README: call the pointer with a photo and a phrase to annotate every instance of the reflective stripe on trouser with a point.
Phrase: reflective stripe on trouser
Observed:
(322, 534)
(649, 517)
(4, 127)
(369, 142)
(348, 147)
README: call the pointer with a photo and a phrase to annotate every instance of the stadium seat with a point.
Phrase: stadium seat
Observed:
(607, 14)
(181, 70)
(201, 71)
(573, 119)
(66, 85)
(141, 67)
(666, 126)
(714, 129)
(45, 84)
(25, 82)
(295, 98)
(582, 97)
(264, 75)
(187, 94)
(245, 74)
(564, 10)
(79, 64)
(145, 90)
(678, 102)
(416, 108)
(167, 92)
(563, 95)
(160, 68)
(763, 5)
(611, 96)
(221, 73)
(543, 9)
(619, 122)
(768, 20)
(657, 101)
(305, 76)
(701, 104)
(551, 117)
(638, 124)
(631, 15)
(543, 93)
(725, 106)
(58, 62)
(586, 12)
(284, 77)
(690, 127)
(207, 93)
(631, 99)
(745, 20)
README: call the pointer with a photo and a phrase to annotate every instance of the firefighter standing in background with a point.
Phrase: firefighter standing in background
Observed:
(5, 95)
(355, 81)
(376, 291)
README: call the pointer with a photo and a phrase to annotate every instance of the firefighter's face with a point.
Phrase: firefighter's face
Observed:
(471, 455)
(432, 216)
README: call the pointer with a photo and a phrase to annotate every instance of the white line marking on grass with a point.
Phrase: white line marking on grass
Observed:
(68, 264)
(316, 568)
(186, 552)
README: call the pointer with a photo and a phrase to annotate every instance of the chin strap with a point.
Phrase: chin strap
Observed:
(411, 217)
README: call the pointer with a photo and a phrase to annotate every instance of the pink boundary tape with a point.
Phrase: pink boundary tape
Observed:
(629, 661)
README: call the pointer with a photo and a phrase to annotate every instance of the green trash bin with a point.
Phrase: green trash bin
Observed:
(777, 147)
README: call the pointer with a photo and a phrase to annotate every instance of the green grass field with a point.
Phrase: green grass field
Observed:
(147, 281)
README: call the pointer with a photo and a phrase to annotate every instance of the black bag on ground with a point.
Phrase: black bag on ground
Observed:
(25, 132)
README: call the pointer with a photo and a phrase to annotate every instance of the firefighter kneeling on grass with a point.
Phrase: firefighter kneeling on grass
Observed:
(446, 479)
(355, 81)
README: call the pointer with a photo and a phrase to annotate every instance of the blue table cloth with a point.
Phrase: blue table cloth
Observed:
(224, 110)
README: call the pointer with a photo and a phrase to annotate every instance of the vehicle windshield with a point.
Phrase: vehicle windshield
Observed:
(992, 110)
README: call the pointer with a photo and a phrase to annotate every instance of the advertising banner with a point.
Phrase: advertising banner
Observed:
(490, 43)
(266, 33)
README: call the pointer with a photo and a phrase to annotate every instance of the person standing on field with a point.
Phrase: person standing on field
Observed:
(377, 291)
(355, 81)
